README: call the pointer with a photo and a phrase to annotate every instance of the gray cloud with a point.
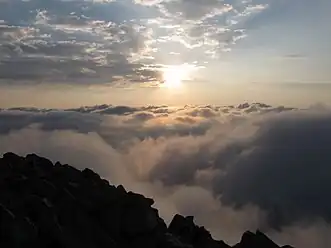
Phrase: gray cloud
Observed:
(197, 9)
(209, 27)
(113, 42)
(284, 170)
(72, 42)
(282, 166)
(116, 124)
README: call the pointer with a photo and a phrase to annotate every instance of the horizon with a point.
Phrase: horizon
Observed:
(70, 53)
(219, 109)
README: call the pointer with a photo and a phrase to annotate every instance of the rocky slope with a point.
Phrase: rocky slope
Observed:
(46, 205)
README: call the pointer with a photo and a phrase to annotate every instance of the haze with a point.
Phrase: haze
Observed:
(215, 108)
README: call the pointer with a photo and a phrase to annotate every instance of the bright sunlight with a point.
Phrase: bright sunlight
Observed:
(173, 76)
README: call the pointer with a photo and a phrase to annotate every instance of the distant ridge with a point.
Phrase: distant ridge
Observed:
(46, 205)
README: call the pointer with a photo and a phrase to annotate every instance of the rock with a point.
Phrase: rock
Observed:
(39, 162)
(138, 218)
(58, 206)
(188, 232)
(137, 221)
(256, 240)
(90, 174)
(172, 241)
(182, 227)
(121, 189)
(10, 157)
(7, 219)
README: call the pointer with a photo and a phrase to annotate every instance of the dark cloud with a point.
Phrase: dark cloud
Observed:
(283, 167)
(284, 170)
(12, 120)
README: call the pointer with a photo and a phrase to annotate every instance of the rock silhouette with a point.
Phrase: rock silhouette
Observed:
(46, 205)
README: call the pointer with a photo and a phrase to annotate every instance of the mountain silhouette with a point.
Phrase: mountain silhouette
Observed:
(55, 205)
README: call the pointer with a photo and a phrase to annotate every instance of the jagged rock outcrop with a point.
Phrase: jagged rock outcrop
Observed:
(46, 205)
(188, 232)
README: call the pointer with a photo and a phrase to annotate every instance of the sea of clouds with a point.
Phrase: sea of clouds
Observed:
(233, 167)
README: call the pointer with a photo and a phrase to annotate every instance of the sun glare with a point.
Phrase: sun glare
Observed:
(173, 76)
(172, 79)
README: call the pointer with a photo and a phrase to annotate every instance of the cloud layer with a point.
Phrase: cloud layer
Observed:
(83, 42)
(252, 165)
(113, 42)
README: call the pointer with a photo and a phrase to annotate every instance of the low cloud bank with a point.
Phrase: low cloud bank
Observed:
(234, 167)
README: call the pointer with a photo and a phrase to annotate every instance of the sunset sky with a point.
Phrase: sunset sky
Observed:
(214, 108)
(65, 53)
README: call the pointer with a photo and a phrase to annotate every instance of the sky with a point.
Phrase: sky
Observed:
(65, 53)
(219, 109)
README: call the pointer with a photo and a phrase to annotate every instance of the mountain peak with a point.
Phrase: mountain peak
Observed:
(47, 205)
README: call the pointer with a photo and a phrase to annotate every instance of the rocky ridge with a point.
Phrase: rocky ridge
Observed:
(55, 205)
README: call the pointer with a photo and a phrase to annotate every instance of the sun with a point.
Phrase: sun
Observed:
(173, 76)
(172, 79)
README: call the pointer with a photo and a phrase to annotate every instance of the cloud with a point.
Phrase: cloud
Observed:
(197, 9)
(72, 42)
(113, 42)
(284, 170)
(294, 56)
(206, 27)
(279, 163)
(266, 168)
